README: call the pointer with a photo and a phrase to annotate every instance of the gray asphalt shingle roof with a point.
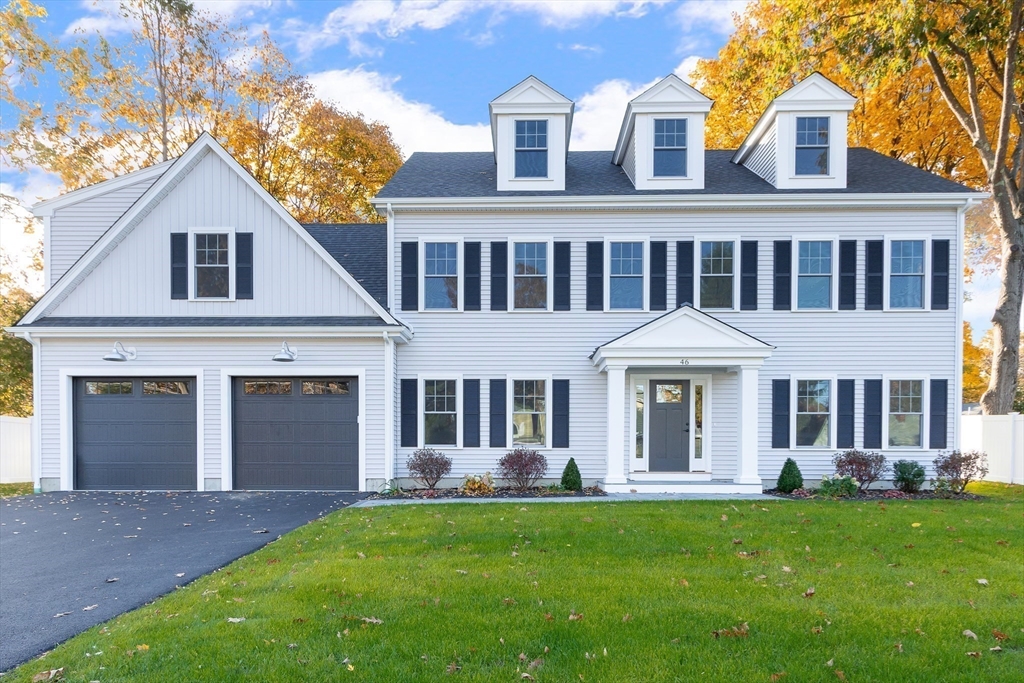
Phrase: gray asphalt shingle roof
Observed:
(207, 321)
(587, 174)
(361, 249)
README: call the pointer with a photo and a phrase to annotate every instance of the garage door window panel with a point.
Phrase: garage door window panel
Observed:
(324, 388)
(164, 388)
(268, 387)
(108, 388)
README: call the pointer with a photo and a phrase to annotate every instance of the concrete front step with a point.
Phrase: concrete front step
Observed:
(720, 486)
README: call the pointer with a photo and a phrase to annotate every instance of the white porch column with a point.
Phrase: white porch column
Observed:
(616, 424)
(746, 470)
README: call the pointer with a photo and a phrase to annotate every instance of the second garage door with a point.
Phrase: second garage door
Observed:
(296, 433)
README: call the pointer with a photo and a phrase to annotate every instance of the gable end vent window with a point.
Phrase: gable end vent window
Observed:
(531, 149)
(441, 276)
(716, 274)
(814, 275)
(440, 412)
(213, 268)
(906, 413)
(812, 145)
(530, 273)
(813, 413)
(669, 148)
(906, 274)
(626, 279)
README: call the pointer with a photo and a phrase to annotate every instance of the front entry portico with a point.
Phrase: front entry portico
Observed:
(663, 382)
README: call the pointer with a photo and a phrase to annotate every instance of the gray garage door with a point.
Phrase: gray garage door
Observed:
(296, 433)
(135, 433)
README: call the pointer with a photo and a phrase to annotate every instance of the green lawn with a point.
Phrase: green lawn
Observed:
(485, 593)
(9, 490)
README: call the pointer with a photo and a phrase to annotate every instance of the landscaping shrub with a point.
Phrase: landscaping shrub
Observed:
(790, 478)
(428, 466)
(475, 484)
(522, 467)
(838, 486)
(864, 466)
(961, 468)
(571, 479)
(907, 476)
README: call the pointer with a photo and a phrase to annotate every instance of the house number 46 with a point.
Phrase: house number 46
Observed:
(684, 361)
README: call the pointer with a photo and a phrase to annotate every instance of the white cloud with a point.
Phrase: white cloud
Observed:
(579, 47)
(595, 125)
(21, 244)
(104, 16)
(716, 15)
(685, 69)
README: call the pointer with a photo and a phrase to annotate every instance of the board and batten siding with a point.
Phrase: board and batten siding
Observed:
(212, 355)
(762, 160)
(847, 344)
(289, 277)
(74, 228)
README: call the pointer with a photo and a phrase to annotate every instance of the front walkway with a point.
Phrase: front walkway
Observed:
(609, 498)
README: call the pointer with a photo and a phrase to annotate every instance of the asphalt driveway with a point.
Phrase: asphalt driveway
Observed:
(69, 561)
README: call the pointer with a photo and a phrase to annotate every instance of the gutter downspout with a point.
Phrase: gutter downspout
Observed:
(37, 430)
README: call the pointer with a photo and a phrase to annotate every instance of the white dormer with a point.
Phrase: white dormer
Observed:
(661, 142)
(530, 126)
(800, 140)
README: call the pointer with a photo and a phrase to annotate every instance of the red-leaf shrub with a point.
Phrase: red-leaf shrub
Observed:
(523, 467)
(865, 467)
(960, 468)
(428, 466)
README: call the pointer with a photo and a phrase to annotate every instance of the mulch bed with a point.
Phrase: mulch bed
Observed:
(536, 492)
(877, 494)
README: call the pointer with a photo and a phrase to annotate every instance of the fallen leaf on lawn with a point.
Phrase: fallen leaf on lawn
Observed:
(737, 541)
(916, 524)
(760, 577)
(919, 632)
(526, 677)
(899, 647)
(350, 667)
(999, 635)
(725, 518)
(910, 584)
(361, 556)
(675, 641)
(292, 646)
(970, 634)
(536, 664)
(807, 548)
(89, 608)
(574, 616)
(60, 614)
(684, 582)
(50, 675)
(787, 569)
(142, 648)
(775, 677)
(372, 620)
(461, 571)
(983, 582)
(509, 601)
(840, 675)
(909, 546)
(995, 649)
(627, 617)
(236, 620)
(113, 579)
(452, 668)
(741, 631)
(816, 630)
(486, 576)
(976, 655)
(549, 617)
(589, 656)
(830, 662)
(809, 592)
(1002, 542)
(501, 640)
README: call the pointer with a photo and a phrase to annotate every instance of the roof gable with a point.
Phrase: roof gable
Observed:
(688, 328)
(815, 89)
(672, 90)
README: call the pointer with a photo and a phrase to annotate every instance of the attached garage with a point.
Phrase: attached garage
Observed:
(135, 433)
(296, 433)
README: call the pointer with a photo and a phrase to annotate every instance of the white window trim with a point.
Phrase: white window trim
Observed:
(422, 409)
(831, 156)
(510, 403)
(926, 295)
(607, 265)
(192, 232)
(926, 391)
(795, 275)
(735, 271)
(832, 411)
(650, 146)
(460, 273)
(643, 464)
(512, 176)
(512, 241)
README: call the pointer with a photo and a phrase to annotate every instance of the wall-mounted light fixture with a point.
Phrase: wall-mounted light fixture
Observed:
(120, 354)
(286, 355)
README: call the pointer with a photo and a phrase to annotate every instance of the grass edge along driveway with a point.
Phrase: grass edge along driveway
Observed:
(654, 591)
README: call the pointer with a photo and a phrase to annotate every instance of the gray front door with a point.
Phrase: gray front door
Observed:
(669, 424)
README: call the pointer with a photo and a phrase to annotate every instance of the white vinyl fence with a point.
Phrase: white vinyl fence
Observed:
(15, 449)
(1002, 438)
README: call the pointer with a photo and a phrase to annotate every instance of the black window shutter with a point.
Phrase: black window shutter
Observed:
(874, 287)
(684, 274)
(243, 265)
(563, 275)
(471, 276)
(410, 413)
(410, 276)
(179, 265)
(940, 276)
(938, 423)
(659, 276)
(470, 413)
(780, 413)
(848, 277)
(748, 276)
(783, 288)
(498, 419)
(846, 416)
(595, 276)
(872, 413)
(499, 276)
(560, 413)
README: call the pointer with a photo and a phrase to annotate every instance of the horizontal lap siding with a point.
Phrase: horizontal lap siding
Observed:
(762, 160)
(212, 355)
(849, 344)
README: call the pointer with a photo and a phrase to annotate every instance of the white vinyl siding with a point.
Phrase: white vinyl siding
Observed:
(762, 160)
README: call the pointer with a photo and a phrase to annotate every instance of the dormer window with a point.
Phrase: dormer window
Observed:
(531, 149)
(812, 145)
(670, 148)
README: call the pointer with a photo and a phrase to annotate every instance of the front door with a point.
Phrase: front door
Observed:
(669, 423)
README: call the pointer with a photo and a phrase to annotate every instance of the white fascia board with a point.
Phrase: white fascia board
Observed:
(47, 207)
(399, 333)
(695, 358)
(625, 133)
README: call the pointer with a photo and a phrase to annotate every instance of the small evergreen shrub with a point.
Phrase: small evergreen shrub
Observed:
(865, 467)
(428, 466)
(571, 479)
(961, 468)
(838, 486)
(790, 478)
(907, 476)
(522, 467)
(477, 484)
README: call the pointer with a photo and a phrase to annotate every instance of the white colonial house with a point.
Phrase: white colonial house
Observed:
(675, 318)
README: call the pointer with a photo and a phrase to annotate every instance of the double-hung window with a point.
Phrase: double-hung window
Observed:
(440, 412)
(529, 412)
(813, 413)
(212, 265)
(812, 145)
(669, 148)
(626, 276)
(530, 276)
(814, 275)
(441, 276)
(906, 413)
(906, 274)
(531, 149)
(716, 274)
